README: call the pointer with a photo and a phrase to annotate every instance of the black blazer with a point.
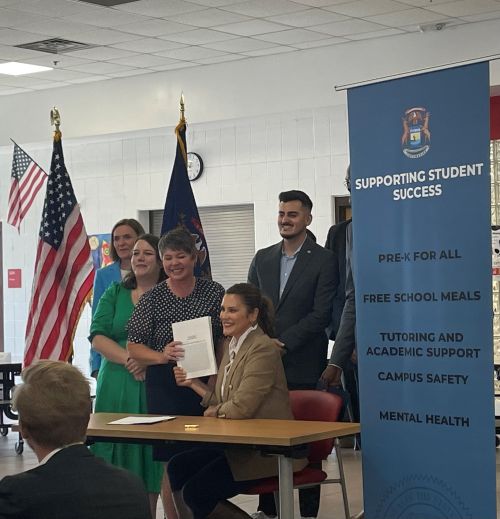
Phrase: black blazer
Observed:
(336, 242)
(74, 484)
(345, 338)
(304, 309)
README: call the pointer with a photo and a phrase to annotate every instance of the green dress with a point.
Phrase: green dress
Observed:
(118, 391)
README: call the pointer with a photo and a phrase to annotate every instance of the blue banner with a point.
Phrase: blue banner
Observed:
(420, 180)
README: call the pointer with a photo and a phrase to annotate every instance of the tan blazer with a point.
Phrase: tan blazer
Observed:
(255, 387)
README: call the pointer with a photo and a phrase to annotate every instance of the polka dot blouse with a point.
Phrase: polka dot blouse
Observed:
(151, 322)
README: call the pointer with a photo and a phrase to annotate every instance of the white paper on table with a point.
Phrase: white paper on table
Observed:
(140, 420)
(198, 344)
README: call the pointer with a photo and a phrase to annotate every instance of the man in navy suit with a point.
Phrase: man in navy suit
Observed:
(300, 277)
(70, 482)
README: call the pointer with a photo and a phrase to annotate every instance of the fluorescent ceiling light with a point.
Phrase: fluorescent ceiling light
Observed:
(18, 69)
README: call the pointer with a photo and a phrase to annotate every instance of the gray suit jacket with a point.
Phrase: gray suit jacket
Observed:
(304, 309)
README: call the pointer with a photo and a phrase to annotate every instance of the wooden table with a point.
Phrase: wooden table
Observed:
(283, 438)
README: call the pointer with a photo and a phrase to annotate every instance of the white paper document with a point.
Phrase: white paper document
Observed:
(198, 344)
(140, 420)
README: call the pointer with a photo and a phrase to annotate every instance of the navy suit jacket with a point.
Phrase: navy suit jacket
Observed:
(304, 309)
(74, 484)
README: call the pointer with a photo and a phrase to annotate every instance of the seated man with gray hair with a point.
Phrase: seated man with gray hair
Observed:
(70, 482)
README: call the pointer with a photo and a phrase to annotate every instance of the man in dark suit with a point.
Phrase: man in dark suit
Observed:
(70, 482)
(336, 242)
(300, 278)
(342, 327)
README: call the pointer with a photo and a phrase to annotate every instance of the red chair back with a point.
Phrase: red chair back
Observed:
(316, 406)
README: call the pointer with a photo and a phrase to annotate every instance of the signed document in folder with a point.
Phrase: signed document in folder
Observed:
(197, 341)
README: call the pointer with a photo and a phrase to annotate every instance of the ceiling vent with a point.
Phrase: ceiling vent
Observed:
(107, 3)
(55, 46)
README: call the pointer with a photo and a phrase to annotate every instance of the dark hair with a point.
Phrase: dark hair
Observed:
(178, 239)
(129, 281)
(295, 194)
(347, 181)
(253, 298)
(131, 222)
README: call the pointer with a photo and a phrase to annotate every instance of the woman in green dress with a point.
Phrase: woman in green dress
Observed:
(117, 390)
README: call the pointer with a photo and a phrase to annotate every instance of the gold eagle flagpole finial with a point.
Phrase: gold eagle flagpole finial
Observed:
(55, 120)
(182, 119)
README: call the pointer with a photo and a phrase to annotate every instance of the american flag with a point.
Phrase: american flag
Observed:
(64, 273)
(27, 178)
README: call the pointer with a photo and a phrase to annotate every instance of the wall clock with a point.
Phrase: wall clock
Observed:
(195, 166)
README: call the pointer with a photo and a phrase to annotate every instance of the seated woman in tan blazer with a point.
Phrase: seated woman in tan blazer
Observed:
(250, 384)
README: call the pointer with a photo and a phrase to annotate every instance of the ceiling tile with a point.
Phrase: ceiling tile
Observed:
(104, 37)
(106, 17)
(162, 8)
(220, 59)
(56, 28)
(89, 79)
(175, 66)
(57, 8)
(320, 43)
(25, 81)
(191, 53)
(348, 27)
(101, 53)
(5, 3)
(50, 84)
(199, 36)
(100, 67)
(16, 54)
(251, 27)
(281, 49)
(15, 18)
(466, 7)
(63, 75)
(423, 3)
(292, 36)
(130, 73)
(148, 45)
(216, 3)
(143, 61)
(481, 17)
(365, 8)
(63, 60)
(241, 45)
(320, 3)
(308, 17)
(154, 27)
(263, 8)
(12, 37)
(407, 17)
(376, 34)
(208, 18)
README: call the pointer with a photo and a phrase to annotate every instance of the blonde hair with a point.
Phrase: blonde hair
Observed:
(53, 403)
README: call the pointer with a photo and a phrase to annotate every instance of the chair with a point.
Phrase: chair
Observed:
(313, 406)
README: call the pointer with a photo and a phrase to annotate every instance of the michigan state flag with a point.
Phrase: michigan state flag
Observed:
(180, 205)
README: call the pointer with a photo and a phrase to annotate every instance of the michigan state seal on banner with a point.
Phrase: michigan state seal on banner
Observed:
(416, 134)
